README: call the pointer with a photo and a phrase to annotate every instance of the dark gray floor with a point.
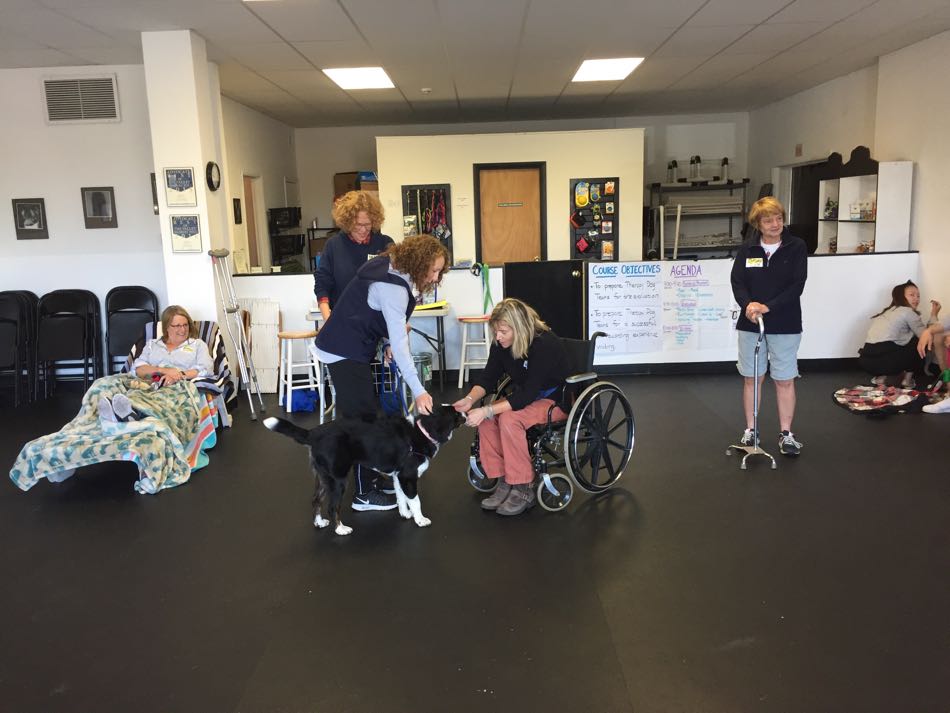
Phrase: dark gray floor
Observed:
(693, 586)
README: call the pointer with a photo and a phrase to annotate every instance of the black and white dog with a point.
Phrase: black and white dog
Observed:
(395, 446)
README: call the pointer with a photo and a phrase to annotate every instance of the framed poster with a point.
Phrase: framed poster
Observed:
(98, 207)
(180, 188)
(29, 218)
(186, 235)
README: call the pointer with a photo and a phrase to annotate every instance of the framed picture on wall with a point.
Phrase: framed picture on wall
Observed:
(180, 188)
(186, 234)
(98, 207)
(29, 218)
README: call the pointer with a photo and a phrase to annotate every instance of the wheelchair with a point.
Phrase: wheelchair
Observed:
(593, 445)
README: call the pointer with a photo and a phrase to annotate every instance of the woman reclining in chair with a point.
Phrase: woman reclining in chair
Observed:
(533, 357)
(178, 354)
(164, 431)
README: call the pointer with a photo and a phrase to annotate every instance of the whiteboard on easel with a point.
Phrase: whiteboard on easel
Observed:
(655, 312)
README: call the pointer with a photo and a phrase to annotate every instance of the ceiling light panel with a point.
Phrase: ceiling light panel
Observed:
(350, 78)
(604, 70)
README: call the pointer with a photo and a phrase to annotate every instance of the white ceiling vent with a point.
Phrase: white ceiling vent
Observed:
(75, 99)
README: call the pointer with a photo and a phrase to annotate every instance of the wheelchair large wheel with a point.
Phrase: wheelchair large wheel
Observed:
(599, 437)
(477, 479)
(553, 502)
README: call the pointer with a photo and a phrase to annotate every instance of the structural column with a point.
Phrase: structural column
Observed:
(184, 107)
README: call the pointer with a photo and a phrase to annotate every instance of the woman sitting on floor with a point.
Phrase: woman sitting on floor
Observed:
(891, 345)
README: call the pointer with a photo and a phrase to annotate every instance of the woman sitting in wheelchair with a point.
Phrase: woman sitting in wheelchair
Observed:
(534, 359)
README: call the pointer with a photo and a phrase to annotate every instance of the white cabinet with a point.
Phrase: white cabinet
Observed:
(871, 213)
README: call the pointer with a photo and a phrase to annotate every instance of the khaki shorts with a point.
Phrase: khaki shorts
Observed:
(778, 351)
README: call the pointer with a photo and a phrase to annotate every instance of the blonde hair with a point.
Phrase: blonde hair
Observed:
(524, 322)
(348, 206)
(763, 207)
(169, 314)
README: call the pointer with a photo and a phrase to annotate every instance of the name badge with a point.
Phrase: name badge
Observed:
(187, 348)
(754, 262)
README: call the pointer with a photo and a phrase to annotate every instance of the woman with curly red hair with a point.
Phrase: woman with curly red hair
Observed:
(359, 216)
(376, 305)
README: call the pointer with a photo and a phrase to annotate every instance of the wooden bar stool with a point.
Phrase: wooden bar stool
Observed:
(286, 383)
(466, 361)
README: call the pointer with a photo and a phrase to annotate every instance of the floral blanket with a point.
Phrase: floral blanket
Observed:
(882, 400)
(167, 443)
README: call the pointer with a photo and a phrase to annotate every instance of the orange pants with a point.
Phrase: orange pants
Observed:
(503, 446)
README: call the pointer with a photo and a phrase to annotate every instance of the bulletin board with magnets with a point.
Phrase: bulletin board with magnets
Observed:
(595, 218)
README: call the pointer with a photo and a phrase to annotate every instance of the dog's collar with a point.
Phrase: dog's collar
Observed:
(426, 433)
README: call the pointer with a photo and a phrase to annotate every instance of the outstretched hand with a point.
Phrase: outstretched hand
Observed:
(424, 403)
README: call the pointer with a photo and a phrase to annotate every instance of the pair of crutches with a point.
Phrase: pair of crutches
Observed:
(754, 449)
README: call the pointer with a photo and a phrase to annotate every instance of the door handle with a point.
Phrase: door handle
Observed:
(575, 273)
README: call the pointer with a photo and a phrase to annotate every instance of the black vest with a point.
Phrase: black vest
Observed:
(354, 328)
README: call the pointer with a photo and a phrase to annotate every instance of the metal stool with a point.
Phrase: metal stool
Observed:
(465, 361)
(286, 383)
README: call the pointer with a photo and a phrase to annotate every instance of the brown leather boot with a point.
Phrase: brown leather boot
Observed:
(498, 497)
(519, 499)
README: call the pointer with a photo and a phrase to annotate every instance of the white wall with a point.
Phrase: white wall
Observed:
(53, 163)
(912, 111)
(256, 146)
(834, 116)
(325, 151)
(406, 160)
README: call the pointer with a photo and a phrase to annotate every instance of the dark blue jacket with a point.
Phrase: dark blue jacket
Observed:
(354, 328)
(777, 283)
(339, 262)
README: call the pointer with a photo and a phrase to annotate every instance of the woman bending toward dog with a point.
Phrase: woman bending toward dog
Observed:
(531, 354)
(376, 305)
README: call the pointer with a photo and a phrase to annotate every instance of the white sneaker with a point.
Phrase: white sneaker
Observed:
(939, 407)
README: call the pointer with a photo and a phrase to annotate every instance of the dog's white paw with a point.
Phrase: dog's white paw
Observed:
(320, 521)
(422, 520)
(342, 529)
(404, 511)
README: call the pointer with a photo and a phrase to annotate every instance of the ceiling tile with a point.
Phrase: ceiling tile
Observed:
(820, 10)
(719, 69)
(659, 73)
(305, 20)
(736, 12)
(775, 37)
(328, 54)
(702, 41)
(270, 55)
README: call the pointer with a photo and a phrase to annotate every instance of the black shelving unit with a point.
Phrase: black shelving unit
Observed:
(662, 194)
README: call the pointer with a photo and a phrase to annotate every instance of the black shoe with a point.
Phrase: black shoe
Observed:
(787, 444)
(373, 500)
(385, 485)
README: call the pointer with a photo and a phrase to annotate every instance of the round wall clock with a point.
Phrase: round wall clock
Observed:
(213, 175)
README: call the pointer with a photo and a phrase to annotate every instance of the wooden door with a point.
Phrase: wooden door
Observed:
(250, 221)
(510, 213)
